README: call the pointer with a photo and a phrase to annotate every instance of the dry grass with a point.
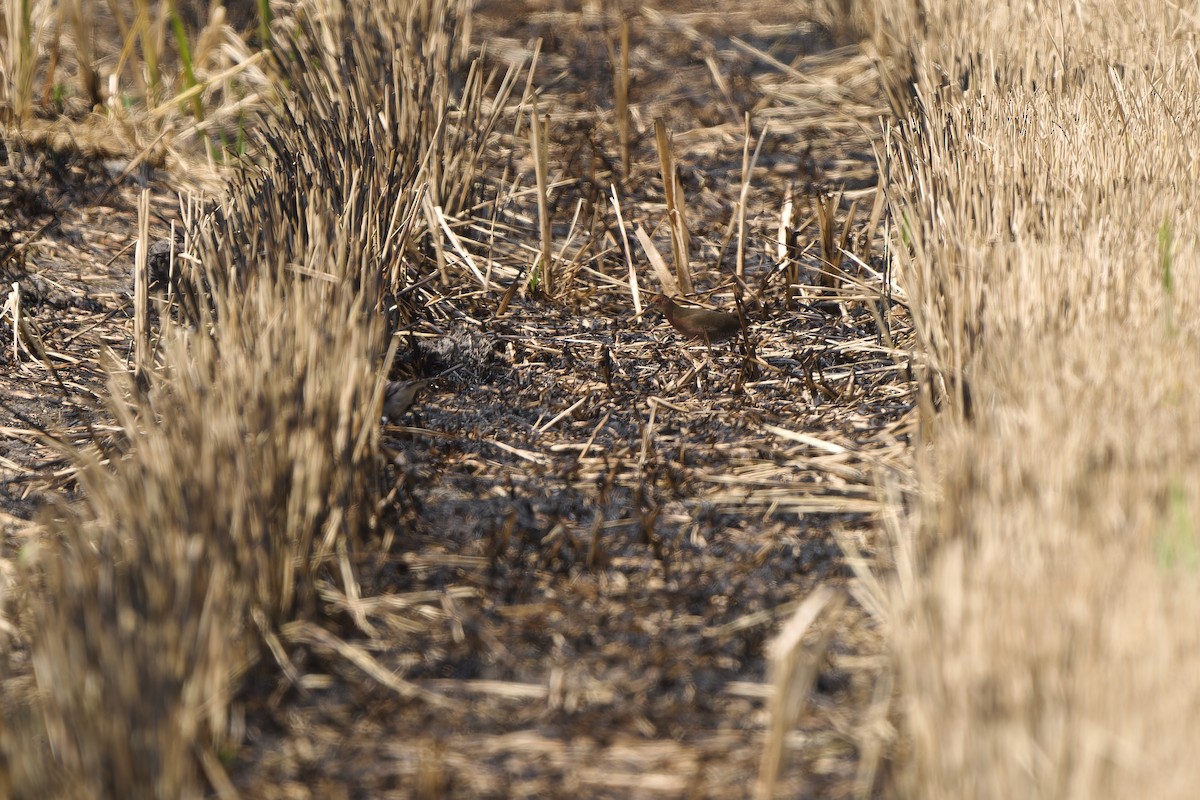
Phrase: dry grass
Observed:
(1044, 193)
(964, 404)
(135, 85)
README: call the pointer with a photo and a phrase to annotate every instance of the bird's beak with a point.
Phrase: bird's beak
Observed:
(647, 304)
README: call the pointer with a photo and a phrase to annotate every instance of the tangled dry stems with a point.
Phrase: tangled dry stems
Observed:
(1044, 188)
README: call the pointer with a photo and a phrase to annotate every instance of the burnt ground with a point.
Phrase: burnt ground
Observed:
(595, 527)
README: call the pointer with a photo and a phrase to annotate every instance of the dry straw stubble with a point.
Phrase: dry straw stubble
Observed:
(1043, 198)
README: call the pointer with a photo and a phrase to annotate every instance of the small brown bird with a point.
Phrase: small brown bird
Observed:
(698, 323)
(398, 396)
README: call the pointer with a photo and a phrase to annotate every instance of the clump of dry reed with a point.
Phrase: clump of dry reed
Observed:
(376, 127)
(239, 488)
(238, 484)
(1044, 197)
